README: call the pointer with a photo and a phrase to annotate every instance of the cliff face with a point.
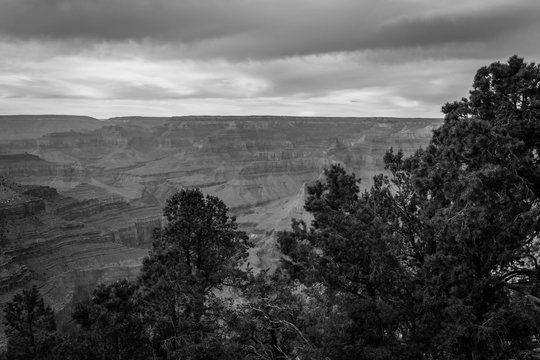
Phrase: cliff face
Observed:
(61, 246)
(31, 169)
(108, 181)
(247, 161)
(18, 201)
(18, 127)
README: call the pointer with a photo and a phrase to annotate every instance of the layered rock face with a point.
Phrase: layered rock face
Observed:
(98, 187)
(20, 127)
(60, 244)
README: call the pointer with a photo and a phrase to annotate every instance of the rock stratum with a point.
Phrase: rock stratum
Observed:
(80, 197)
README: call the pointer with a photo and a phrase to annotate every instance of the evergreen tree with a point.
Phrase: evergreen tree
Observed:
(272, 320)
(439, 260)
(110, 324)
(480, 177)
(30, 326)
(350, 251)
(197, 254)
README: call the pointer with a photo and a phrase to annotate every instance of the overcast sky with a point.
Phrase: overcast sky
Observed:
(107, 58)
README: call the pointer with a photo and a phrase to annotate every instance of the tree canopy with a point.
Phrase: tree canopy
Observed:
(111, 323)
(197, 253)
(30, 326)
(439, 259)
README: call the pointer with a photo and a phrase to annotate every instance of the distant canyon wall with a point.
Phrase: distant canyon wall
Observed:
(92, 191)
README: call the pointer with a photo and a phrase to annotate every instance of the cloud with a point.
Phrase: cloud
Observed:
(172, 57)
(257, 29)
(116, 19)
(463, 27)
(83, 77)
(339, 84)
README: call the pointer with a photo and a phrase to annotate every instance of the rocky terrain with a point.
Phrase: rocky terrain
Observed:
(81, 196)
(21, 127)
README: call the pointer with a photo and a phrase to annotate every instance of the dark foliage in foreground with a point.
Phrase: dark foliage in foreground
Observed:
(437, 260)
(30, 326)
(195, 256)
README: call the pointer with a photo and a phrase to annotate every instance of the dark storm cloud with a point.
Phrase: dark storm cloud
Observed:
(447, 28)
(307, 57)
(356, 31)
(183, 21)
(256, 29)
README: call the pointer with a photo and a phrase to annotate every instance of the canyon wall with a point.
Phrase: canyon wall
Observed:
(64, 245)
(82, 196)
(19, 127)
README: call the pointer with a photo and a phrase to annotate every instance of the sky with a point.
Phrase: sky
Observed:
(399, 58)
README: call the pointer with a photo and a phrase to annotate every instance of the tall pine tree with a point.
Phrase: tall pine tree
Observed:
(197, 254)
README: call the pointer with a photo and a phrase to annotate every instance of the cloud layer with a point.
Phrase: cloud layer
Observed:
(339, 57)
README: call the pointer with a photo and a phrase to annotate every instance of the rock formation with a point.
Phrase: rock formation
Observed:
(84, 195)
(60, 244)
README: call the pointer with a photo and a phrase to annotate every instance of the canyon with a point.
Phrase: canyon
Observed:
(79, 197)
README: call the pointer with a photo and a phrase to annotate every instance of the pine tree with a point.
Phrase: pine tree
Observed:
(272, 320)
(30, 326)
(439, 259)
(197, 254)
(110, 321)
